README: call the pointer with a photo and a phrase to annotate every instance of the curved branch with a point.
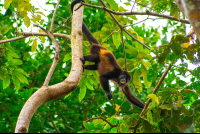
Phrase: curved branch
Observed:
(47, 93)
(56, 58)
(137, 13)
(27, 34)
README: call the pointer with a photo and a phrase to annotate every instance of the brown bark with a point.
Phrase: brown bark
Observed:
(191, 9)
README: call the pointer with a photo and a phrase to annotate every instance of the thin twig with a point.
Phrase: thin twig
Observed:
(109, 36)
(54, 15)
(16, 15)
(123, 49)
(55, 61)
(133, 6)
(137, 22)
(189, 34)
(54, 125)
(122, 27)
(66, 21)
(111, 125)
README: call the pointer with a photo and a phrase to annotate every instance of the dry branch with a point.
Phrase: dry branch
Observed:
(28, 34)
(48, 93)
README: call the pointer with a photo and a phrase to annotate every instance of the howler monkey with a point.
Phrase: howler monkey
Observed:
(107, 66)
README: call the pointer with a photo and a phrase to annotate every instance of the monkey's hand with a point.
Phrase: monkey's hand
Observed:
(74, 3)
(109, 95)
(83, 61)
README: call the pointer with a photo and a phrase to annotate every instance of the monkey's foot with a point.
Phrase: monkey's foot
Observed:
(83, 61)
(109, 96)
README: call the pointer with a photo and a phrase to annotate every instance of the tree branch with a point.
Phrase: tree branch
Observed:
(137, 13)
(47, 93)
(56, 58)
(54, 15)
(191, 10)
(27, 34)
(149, 100)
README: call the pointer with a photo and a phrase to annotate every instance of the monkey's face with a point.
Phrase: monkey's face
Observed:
(122, 79)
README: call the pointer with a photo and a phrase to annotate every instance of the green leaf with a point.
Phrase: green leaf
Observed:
(82, 93)
(113, 130)
(124, 128)
(27, 21)
(21, 77)
(17, 62)
(113, 4)
(7, 3)
(67, 57)
(34, 46)
(144, 75)
(6, 82)
(67, 95)
(133, 52)
(16, 82)
(154, 99)
(89, 84)
(113, 120)
(14, 55)
(149, 117)
(165, 106)
(127, 3)
(88, 126)
(116, 39)
(42, 39)
(137, 81)
(21, 71)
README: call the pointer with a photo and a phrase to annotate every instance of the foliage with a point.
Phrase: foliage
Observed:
(24, 65)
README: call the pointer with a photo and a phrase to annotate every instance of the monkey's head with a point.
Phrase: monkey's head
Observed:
(124, 78)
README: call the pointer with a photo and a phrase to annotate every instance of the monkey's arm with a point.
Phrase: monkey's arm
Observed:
(91, 58)
(105, 84)
(131, 98)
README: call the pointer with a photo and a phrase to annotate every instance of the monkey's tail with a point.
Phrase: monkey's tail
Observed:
(130, 97)
(89, 35)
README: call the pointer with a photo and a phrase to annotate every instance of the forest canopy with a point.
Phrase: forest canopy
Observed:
(43, 89)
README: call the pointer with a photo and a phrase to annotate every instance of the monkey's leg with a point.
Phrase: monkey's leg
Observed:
(105, 84)
(90, 67)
